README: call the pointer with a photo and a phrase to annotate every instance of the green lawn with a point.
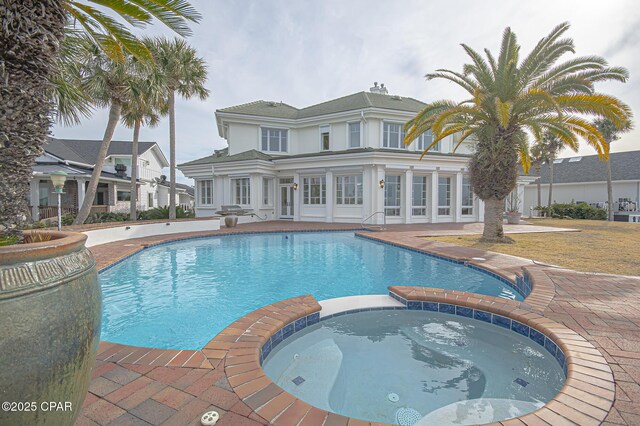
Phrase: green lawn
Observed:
(600, 246)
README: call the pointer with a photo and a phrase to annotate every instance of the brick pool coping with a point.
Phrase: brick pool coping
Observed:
(544, 289)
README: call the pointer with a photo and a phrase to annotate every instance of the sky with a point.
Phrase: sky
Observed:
(304, 52)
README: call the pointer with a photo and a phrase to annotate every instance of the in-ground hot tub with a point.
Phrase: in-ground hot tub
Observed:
(418, 367)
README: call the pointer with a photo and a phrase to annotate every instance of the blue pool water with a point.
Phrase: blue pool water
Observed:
(180, 295)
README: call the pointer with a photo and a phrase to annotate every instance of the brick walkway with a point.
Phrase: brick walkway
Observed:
(134, 386)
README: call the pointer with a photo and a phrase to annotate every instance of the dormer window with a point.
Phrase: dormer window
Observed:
(274, 140)
(325, 136)
(393, 135)
(426, 139)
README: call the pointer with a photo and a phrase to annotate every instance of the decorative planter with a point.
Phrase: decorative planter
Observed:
(513, 218)
(50, 309)
(230, 221)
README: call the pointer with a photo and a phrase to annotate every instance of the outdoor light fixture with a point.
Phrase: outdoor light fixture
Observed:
(58, 178)
(381, 183)
(295, 186)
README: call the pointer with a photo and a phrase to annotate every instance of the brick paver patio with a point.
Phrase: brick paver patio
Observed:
(136, 386)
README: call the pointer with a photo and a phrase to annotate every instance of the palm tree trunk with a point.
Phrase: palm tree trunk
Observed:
(172, 155)
(609, 192)
(30, 37)
(493, 222)
(539, 185)
(114, 116)
(551, 161)
(133, 211)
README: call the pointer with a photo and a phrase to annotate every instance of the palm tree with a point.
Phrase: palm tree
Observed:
(611, 133)
(552, 145)
(142, 109)
(509, 97)
(30, 46)
(109, 84)
(181, 71)
(538, 157)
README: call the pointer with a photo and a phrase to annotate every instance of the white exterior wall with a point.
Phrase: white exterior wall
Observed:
(589, 192)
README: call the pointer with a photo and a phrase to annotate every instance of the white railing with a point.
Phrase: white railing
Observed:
(374, 225)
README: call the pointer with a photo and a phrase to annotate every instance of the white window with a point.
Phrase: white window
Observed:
(419, 196)
(315, 190)
(123, 195)
(444, 195)
(354, 135)
(393, 135)
(149, 199)
(267, 196)
(205, 192)
(241, 191)
(467, 196)
(325, 136)
(274, 140)
(392, 195)
(426, 139)
(43, 192)
(349, 190)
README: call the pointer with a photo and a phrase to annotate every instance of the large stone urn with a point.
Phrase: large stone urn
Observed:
(50, 309)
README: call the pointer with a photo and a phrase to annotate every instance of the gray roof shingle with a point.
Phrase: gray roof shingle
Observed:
(86, 151)
(353, 102)
(221, 156)
(624, 166)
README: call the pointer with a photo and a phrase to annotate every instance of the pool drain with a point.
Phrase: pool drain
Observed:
(393, 397)
(209, 418)
(407, 416)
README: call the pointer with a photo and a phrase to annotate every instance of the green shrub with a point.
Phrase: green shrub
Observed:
(573, 211)
(163, 213)
(102, 217)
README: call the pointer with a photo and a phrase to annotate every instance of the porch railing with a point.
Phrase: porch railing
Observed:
(47, 212)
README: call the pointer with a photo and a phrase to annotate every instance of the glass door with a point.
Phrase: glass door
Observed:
(286, 201)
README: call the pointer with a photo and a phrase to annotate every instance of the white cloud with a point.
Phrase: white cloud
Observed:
(305, 52)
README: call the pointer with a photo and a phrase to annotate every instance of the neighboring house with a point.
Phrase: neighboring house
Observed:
(339, 161)
(584, 178)
(78, 157)
(185, 195)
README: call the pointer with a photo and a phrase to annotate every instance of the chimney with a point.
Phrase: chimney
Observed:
(121, 171)
(378, 89)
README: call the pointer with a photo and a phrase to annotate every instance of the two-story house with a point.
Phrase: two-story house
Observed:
(78, 157)
(338, 161)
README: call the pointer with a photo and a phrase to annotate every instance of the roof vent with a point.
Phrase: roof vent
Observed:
(379, 89)
(272, 104)
(121, 171)
(396, 98)
(574, 159)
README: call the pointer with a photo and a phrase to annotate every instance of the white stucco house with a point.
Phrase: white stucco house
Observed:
(584, 179)
(78, 157)
(338, 161)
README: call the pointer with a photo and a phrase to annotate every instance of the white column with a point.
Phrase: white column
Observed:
(81, 191)
(330, 197)
(458, 203)
(227, 191)
(408, 186)
(297, 197)
(255, 191)
(379, 174)
(434, 196)
(480, 210)
(34, 198)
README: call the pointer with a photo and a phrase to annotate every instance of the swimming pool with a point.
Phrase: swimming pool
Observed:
(180, 295)
(415, 368)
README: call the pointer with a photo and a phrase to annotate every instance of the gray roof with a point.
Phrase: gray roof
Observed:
(73, 171)
(624, 166)
(354, 102)
(180, 186)
(222, 157)
(86, 151)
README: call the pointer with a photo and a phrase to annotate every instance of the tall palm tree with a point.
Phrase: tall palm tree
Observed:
(109, 84)
(611, 133)
(143, 109)
(552, 145)
(30, 43)
(510, 96)
(538, 158)
(180, 70)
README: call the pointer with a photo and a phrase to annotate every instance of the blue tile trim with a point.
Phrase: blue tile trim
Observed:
(463, 311)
